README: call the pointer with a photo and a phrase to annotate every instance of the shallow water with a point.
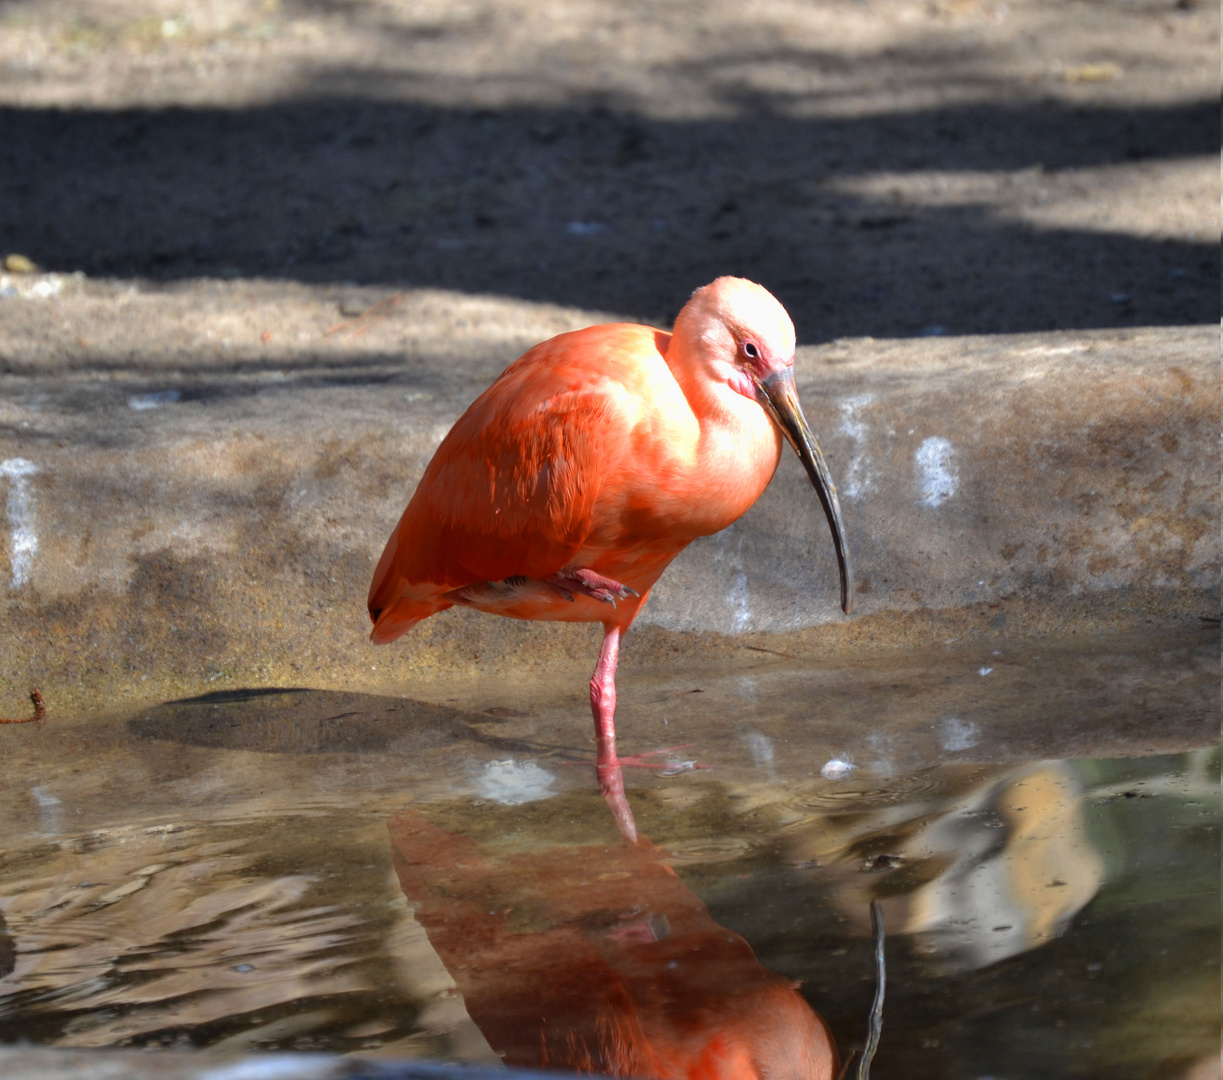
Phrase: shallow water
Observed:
(277, 869)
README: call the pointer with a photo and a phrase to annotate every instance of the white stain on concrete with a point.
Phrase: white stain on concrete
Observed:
(760, 746)
(271, 1067)
(838, 768)
(957, 734)
(1051, 350)
(740, 604)
(859, 477)
(984, 671)
(936, 471)
(511, 782)
(144, 402)
(49, 811)
(738, 599)
(884, 762)
(32, 286)
(19, 508)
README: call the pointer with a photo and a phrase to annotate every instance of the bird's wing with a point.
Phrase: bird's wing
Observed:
(513, 486)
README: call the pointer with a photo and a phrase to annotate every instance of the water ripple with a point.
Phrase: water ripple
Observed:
(714, 849)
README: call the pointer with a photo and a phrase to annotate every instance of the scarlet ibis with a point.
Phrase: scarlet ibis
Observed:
(570, 484)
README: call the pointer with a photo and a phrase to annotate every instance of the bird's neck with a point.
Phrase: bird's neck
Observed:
(739, 445)
(709, 389)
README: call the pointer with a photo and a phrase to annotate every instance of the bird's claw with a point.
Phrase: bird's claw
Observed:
(588, 583)
(670, 765)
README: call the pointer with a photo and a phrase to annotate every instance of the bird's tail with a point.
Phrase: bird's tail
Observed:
(397, 618)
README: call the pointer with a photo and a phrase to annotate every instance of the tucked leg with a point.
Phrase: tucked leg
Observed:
(588, 583)
(603, 706)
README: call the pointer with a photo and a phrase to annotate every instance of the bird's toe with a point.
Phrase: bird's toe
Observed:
(592, 584)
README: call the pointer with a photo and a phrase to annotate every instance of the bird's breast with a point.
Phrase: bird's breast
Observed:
(687, 479)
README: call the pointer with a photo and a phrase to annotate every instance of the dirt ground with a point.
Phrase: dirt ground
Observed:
(886, 167)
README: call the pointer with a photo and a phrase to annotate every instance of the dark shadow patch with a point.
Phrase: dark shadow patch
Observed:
(304, 721)
(599, 209)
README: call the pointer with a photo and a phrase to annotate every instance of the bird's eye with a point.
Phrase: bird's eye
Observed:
(750, 350)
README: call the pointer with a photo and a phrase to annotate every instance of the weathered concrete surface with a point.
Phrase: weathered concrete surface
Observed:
(43, 1063)
(208, 515)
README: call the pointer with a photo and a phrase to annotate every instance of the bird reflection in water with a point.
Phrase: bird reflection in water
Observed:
(600, 959)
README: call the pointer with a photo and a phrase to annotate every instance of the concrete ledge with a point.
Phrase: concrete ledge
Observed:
(43, 1063)
(198, 480)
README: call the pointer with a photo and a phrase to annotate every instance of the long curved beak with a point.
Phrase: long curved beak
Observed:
(780, 400)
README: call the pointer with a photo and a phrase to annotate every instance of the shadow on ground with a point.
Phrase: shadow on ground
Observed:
(598, 208)
(304, 721)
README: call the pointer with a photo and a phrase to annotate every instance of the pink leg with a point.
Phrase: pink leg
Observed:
(603, 705)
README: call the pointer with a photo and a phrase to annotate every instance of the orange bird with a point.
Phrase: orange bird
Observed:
(570, 484)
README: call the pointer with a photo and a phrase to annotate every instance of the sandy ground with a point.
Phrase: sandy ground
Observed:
(888, 168)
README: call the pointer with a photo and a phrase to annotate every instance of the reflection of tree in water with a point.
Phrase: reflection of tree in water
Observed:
(1019, 865)
(996, 869)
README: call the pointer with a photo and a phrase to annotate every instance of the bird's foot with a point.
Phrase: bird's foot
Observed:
(643, 930)
(588, 583)
(670, 766)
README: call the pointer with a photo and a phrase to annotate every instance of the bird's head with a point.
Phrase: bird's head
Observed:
(744, 334)
(746, 341)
